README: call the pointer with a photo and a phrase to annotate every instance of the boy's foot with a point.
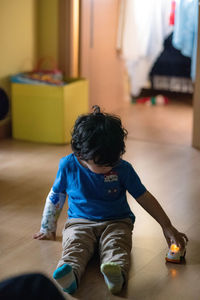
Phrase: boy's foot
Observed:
(113, 276)
(65, 277)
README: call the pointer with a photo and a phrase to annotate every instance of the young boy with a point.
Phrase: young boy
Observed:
(96, 178)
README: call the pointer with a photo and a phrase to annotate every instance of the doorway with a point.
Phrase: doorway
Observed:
(102, 65)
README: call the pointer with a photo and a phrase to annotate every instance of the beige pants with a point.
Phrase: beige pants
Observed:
(82, 237)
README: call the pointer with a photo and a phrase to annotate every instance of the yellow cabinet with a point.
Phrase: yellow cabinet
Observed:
(45, 113)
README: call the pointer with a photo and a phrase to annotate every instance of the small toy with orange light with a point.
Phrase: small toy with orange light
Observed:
(175, 254)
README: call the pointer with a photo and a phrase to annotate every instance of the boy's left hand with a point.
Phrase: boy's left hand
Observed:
(173, 236)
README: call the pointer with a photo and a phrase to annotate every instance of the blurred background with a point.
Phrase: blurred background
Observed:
(130, 52)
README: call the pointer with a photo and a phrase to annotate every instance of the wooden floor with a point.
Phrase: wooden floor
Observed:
(159, 147)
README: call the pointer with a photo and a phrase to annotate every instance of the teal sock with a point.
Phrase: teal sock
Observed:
(113, 276)
(65, 277)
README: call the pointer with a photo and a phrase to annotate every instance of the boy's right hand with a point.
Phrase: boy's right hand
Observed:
(45, 236)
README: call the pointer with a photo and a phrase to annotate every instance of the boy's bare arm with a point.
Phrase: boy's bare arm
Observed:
(152, 206)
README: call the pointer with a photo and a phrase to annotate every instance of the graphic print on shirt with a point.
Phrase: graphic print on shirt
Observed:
(111, 179)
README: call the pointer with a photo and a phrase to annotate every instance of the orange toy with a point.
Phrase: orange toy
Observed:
(175, 254)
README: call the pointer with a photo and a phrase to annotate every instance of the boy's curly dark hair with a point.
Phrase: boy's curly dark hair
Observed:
(99, 137)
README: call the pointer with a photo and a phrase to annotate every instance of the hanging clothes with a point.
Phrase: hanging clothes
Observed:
(186, 30)
(145, 27)
(172, 14)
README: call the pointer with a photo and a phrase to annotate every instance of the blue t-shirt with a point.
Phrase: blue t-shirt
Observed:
(97, 196)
